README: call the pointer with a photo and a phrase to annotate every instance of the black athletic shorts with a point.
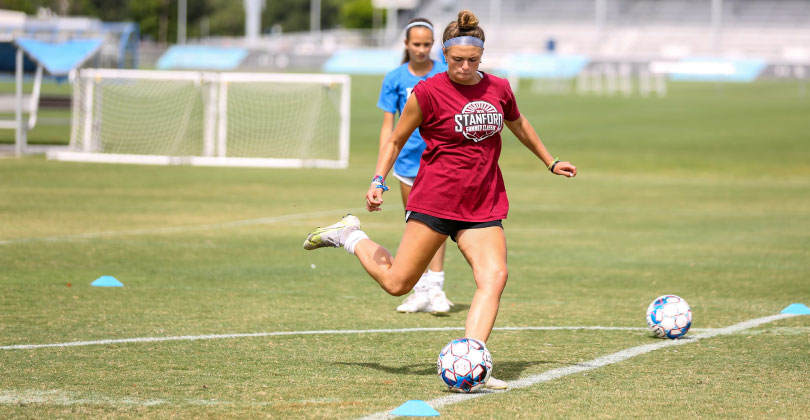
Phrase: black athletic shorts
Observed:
(449, 226)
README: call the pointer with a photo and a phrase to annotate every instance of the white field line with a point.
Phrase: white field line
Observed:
(287, 333)
(68, 398)
(57, 397)
(183, 228)
(610, 359)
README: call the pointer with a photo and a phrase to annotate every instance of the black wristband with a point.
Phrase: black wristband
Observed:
(553, 165)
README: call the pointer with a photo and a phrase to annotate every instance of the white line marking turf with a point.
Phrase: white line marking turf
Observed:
(610, 359)
(67, 398)
(63, 398)
(182, 229)
(59, 397)
(284, 333)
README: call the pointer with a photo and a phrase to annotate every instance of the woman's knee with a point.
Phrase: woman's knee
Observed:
(397, 289)
(493, 279)
(398, 286)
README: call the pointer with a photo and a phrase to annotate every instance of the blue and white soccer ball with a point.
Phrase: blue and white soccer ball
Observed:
(669, 316)
(464, 365)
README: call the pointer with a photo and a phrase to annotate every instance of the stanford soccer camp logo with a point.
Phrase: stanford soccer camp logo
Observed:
(479, 120)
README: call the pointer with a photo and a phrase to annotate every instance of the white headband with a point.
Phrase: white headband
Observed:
(419, 23)
(464, 40)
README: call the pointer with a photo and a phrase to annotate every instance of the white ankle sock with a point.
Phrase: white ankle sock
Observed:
(435, 278)
(353, 239)
(422, 285)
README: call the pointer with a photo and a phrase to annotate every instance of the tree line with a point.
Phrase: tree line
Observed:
(157, 19)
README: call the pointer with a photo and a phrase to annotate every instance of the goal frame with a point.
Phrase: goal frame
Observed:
(215, 123)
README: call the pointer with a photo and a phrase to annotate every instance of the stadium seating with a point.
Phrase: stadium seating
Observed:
(641, 29)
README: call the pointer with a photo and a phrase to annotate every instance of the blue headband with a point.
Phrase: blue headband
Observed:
(464, 40)
(419, 23)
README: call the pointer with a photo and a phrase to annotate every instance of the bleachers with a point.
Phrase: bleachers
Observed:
(775, 30)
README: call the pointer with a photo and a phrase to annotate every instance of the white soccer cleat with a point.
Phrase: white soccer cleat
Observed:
(439, 303)
(493, 383)
(333, 235)
(417, 302)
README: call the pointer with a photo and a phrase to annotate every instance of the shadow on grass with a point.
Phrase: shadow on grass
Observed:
(509, 371)
(505, 371)
(456, 308)
(413, 369)
(459, 307)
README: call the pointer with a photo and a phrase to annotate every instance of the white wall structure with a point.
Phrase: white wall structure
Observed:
(253, 18)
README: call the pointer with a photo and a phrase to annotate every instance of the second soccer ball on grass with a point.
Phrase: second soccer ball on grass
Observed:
(669, 316)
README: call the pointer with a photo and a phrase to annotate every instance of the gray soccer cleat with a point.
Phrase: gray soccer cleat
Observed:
(333, 235)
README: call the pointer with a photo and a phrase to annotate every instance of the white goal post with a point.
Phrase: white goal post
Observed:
(209, 119)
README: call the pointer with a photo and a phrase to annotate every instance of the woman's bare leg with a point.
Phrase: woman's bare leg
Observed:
(485, 251)
(437, 263)
(405, 191)
(397, 277)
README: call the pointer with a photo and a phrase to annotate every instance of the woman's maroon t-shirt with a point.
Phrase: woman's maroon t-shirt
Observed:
(459, 177)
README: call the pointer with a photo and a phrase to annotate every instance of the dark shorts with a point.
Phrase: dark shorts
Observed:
(449, 226)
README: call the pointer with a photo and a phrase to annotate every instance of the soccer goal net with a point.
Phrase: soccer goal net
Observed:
(218, 119)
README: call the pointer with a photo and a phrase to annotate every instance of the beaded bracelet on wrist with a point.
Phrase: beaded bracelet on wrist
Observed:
(379, 182)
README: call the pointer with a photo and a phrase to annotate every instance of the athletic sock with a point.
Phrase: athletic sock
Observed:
(422, 285)
(352, 240)
(435, 278)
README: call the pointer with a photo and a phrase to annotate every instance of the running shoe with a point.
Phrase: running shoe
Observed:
(334, 235)
(493, 383)
(418, 301)
(439, 303)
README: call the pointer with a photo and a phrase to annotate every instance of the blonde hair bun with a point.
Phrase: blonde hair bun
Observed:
(467, 20)
(465, 25)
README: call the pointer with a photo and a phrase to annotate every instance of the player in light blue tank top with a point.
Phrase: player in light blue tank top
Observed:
(396, 88)
(428, 294)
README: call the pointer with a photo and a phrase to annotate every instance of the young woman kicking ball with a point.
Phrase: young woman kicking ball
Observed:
(459, 191)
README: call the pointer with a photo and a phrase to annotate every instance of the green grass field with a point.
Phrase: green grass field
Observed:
(704, 194)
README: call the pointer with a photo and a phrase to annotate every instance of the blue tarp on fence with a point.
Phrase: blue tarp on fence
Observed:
(58, 58)
(543, 66)
(360, 61)
(200, 57)
(718, 70)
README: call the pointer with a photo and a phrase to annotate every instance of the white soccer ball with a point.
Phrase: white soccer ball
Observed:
(669, 316)
(464, 365)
